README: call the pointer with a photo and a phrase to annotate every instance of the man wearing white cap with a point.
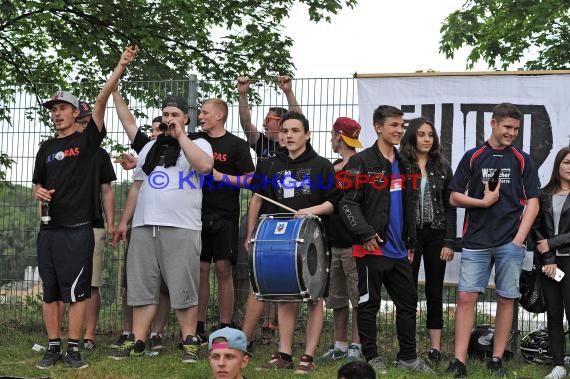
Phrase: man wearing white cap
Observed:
(228, 353)
(64, 178)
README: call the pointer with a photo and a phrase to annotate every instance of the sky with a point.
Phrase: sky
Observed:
(377, 36)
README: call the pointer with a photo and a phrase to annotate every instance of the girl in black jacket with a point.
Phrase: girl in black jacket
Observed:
(551, 232)
(435, 221)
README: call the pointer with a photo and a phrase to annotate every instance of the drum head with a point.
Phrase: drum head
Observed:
(288, 259)
(312, 254)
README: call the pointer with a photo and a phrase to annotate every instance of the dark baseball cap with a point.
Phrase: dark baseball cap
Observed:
(175, 101)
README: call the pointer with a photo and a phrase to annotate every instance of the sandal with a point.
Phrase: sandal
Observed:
(89, 344)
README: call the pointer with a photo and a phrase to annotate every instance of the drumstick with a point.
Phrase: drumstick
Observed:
(277, 203)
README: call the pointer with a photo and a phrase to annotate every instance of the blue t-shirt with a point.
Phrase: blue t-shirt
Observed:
(394, 246)
(484, 228)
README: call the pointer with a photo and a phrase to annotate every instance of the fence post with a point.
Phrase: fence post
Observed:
(515, 329)
(193, 102)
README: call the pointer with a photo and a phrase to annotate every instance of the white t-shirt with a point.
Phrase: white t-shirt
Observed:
(170, 196)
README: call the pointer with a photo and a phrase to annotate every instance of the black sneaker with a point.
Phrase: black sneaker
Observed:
(456, 368)
(122, 338)
(50, 358)
(434, 357)
(155, 342)
(190, 349)
(495, 366)
(202, 338)
(236, 325)
(73, 359)
(128, 349)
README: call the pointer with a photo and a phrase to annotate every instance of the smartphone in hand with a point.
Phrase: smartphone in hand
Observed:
(559, 274)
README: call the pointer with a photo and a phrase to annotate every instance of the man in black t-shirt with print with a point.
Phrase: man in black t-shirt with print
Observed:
(220, 210)
(65, 178)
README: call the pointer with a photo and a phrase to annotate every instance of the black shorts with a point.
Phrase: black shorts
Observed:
(240, 270)
(219, 238)
(65, 263)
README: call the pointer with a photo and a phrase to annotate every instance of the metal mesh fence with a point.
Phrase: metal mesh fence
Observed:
(322, 101)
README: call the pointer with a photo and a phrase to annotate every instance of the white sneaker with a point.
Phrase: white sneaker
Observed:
(334, 354)
(558, 372)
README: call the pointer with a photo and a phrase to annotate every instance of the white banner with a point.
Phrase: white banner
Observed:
(461, 108)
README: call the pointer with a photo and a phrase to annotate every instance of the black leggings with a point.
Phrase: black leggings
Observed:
(429, 244)
(557, 296)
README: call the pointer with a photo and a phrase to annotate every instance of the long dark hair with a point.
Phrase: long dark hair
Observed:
(553, 184)
(409, 146)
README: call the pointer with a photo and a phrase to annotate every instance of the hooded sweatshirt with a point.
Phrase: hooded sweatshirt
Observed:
(303, 182)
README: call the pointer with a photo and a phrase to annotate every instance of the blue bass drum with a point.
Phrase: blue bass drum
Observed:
(288, 259)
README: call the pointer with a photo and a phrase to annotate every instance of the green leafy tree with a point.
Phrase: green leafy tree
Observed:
(19, 223)
(503, 32)
(66, 42)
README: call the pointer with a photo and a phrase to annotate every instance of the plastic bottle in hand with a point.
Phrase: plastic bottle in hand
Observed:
(494, 180)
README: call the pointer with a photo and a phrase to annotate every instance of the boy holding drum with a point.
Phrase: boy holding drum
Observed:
(300, 179)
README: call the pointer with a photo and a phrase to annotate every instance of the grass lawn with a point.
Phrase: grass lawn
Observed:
(19, 360)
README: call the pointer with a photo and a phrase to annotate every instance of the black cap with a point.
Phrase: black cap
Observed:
(175, 101)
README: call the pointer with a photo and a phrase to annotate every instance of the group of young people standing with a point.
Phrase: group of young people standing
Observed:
(405, 213)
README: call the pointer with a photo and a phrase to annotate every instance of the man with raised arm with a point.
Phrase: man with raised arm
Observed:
(165, 204)
(65, 182)
(128, 162)
(266, 143)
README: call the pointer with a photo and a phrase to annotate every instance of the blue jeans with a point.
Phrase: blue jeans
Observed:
(476, 268)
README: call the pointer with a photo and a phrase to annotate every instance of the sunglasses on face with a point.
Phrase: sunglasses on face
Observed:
(269, 118)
